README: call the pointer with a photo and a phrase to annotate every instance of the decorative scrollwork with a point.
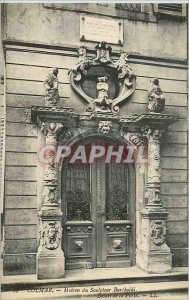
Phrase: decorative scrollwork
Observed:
(51, 234)
(119, 71)
(78, 205)
(158, 232)
(117, 208)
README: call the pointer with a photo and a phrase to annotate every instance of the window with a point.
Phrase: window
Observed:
(134, 7)
(175, 10)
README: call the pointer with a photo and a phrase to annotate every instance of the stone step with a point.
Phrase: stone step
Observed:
(93, 277)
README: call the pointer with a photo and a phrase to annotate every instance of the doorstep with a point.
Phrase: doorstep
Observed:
(86, 277)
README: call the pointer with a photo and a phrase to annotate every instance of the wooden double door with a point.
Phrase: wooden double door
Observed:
(98, 214)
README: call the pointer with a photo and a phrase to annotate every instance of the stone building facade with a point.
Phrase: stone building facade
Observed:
(130, 91)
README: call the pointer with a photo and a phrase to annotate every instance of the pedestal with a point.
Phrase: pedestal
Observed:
(50, 257)
(153, 255)
(50, 267)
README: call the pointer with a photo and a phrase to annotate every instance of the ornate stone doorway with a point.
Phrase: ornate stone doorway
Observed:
(98, 204)
(100, 232)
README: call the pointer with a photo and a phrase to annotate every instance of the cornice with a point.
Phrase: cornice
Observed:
(71, 50)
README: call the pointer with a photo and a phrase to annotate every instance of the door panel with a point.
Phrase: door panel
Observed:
(78, 229)
(118, 226)
(77, 187)
(98, 215)
(117, 197)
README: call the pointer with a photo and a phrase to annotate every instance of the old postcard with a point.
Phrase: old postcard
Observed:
(94, 150)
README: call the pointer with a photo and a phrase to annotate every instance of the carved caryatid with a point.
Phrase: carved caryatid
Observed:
(156, 97)
(118, 72)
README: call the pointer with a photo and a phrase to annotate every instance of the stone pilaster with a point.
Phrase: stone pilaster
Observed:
(153, 254)
(50, 257)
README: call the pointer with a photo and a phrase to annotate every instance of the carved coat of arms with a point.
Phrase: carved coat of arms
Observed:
(113, 80)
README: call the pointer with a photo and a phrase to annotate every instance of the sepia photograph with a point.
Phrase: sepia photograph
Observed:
(93, 164)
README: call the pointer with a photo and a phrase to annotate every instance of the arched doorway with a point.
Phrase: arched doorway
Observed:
(98, 204)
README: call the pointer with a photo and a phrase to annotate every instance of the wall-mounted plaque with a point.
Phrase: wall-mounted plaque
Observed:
(100, 29)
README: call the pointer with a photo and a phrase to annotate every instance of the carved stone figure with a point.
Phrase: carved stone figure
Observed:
(82, 62)
(102, 100)
(51, 88)
(156, 97)
(104, 127)
(158, 232)
(125, 71)
(103, 53)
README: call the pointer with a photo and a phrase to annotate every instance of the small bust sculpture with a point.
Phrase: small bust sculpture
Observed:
(102, 93)
(51, 88)
(156, 97)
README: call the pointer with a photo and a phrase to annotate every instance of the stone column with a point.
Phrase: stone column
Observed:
(153, 254)
(50, 257)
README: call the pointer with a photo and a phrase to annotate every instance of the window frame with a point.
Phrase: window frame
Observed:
(170, 13)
